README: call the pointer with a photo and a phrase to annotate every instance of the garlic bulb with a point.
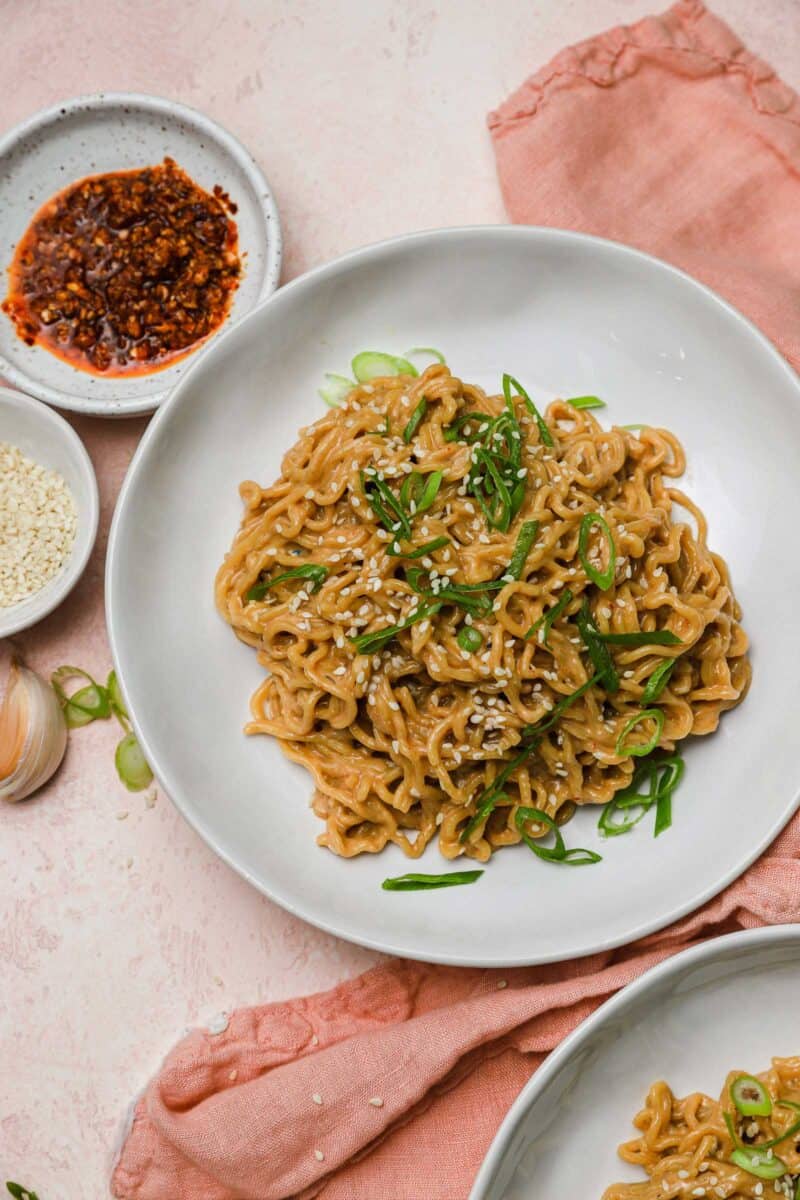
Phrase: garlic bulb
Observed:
(33, 735)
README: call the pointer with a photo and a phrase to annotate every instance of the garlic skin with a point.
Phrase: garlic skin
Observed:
(33, 734)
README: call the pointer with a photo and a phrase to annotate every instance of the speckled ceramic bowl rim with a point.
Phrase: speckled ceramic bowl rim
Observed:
(137, 405)
(44, 602)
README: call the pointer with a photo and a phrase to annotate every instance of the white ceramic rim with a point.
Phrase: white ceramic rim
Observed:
(705, 952)
(136, 406)
(76, 564)
(183, 803)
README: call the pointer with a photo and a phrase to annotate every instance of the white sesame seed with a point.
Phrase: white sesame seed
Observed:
(376, 1102)
(319, 1156)
(317, 1098)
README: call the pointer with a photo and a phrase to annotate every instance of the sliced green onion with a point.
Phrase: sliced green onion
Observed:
(586, 402)
(510, 382)
(373, 364)
(658, 637)
(789, 1132)
(19, 1192)
(453, 432)
(115, 696)
(532, 735)
(469, 638)
(603, 579)
(335, 389)
(439, 543)
(417, 417)
(663, 775)
(658, 680)
(370, 643)
(750, 1159)
(639, 751)
(547, 619)
(420, 491)
(495, 500)
(316, 572)
(750, 1096)
(85, 705)
(131, 764)
(427, 352)
(598, 652)
(525, 539)
(389, 510)
(577, 857)
(634, 427)
(423, 883)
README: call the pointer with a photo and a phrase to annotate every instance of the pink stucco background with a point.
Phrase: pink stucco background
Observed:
(368, 119)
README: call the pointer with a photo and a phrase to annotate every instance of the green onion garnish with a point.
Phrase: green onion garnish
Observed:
(416, 419)
(315, 572)
(19, 1192)
(643, 748)
(663, 776)
(750, 1159)
(750, 1096)
(439, 543)
(658, 637)
(370, 643)
(525, 539)
(372, 364)
(419, 491)
(633, 428)
(510, 382)
(603, 579)
(586, 402)
(491, 491)
(335, 389)
(658, 680)
(84, 706)
(577, 857)
(426, 351)
(131, 764)
(385, 505)
(531, 735)
(423, 883)
(469, 638)
(598, 652)
(115, 696)
(546, 620)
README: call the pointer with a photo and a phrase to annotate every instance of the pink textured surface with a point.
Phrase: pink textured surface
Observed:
(103, 963)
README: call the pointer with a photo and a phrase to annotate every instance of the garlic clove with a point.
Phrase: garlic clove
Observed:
(33, 734)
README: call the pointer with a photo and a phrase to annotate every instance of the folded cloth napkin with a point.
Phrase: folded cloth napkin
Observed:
(671, 136)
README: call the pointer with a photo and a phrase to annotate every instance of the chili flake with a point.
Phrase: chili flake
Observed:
(126, 272)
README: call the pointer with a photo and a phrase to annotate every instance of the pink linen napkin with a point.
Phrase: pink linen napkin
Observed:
(668, 135)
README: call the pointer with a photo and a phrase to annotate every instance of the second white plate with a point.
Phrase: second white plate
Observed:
(566, 314)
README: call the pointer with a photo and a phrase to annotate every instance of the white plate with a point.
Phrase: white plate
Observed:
(46, 437)
(118, 131)
(729, 1003)
(565, 313)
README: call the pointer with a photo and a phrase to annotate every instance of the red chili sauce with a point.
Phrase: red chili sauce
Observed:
(124, 273)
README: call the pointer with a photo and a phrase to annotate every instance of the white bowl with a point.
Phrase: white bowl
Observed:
(118, 131)
(730, 1003)
(46, 437)
(566, 314)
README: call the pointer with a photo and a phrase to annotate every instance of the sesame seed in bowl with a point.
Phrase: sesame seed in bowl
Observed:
(48, 510)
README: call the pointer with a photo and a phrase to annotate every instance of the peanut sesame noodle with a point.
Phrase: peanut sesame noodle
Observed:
(686, 1147)
(405, 739)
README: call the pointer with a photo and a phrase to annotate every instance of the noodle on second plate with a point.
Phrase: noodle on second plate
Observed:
(392, 500)
(687, 1149)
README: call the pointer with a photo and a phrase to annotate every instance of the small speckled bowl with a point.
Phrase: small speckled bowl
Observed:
(116, 131)
(44, 436)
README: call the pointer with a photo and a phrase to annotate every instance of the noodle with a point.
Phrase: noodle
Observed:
(685, 1147)
(403, 742)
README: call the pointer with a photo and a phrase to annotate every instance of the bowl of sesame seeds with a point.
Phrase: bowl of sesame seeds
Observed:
(48, 510)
